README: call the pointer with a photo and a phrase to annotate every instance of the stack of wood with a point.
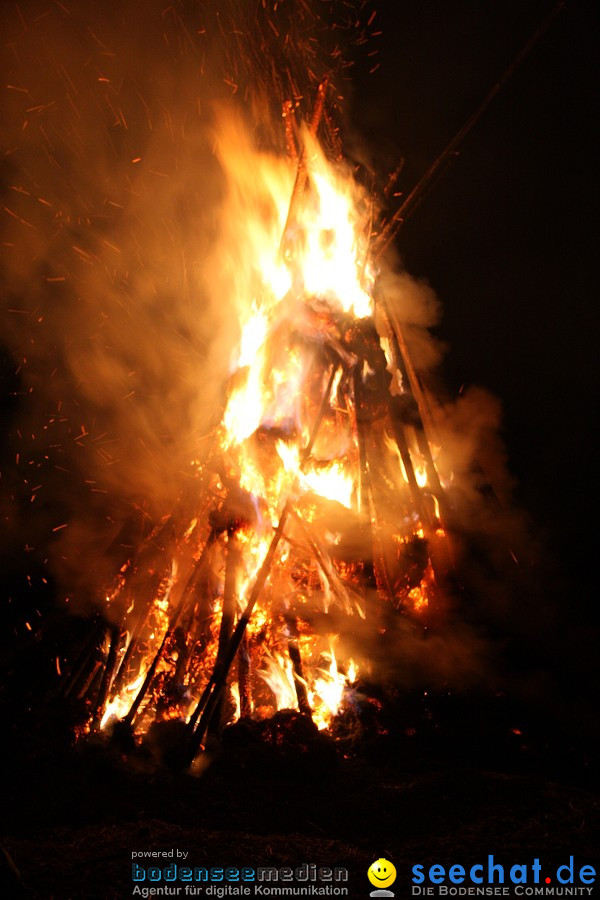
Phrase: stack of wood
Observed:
(178, 640)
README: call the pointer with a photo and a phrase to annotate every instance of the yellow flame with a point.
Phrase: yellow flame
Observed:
(254, 335)
(278, 674)
(325, 686)
(421, 474)
(287, 294)
(332, 482)
(121, 705)
(328, 688)
(419, 598)
(245, 408)
(330, 265)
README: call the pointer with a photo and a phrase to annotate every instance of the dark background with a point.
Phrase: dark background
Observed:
(506, 236)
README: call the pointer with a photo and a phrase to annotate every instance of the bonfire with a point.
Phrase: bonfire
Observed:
(316, 498)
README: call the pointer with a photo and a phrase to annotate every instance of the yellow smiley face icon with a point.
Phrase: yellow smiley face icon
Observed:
(382, 873)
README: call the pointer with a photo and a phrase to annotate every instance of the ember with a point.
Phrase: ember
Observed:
(312, 510)
(316, 500)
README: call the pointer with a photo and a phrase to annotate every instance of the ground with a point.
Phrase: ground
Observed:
(71, 822)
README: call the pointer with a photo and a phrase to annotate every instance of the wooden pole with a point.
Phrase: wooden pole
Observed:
(244, 676)
(378, 566)
(290, 140)
(232, 562)
(301, 171)
(171, 627)
(416, 195)
(109, 672)
(323, 562)
(296, 660)
(210, 697)
(84, 661)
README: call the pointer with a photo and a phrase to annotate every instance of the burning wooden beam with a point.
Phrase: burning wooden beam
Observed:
(185, 597)
(211, 696)
(452, 149)
(308, 416)
(302, 171)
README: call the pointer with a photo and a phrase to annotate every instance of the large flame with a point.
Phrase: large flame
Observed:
(294, 271)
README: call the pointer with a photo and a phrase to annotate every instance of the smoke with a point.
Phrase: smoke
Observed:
(120, 286)
(110, 195)
(499, 606)
(115, 315)
(417, 308)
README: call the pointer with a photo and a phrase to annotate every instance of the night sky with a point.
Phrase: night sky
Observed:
(505, 237)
